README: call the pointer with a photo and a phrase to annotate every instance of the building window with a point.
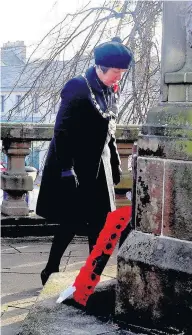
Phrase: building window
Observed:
(18, 99)
(2, 103)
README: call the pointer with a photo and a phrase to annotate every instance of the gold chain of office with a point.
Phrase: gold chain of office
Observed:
(109, 114)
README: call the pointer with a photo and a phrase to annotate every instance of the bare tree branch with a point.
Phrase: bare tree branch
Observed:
(134, 21)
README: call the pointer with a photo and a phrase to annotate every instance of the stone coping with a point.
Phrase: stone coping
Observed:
(44, 131)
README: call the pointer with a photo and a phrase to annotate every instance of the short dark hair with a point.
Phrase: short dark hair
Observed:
(104, 69)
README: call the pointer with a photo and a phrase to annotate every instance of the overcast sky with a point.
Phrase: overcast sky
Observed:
(29, 21)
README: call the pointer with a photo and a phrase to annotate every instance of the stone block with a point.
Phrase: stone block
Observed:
(188, 77)
(127, 134)
(26, 131)
(175, 78)
(175, 114)
(177, 216)
(163, 146)
(177, 92)
(154, 281)
(178, 77)
(14, 207)
(167, 132)
(190, 93)
(149, 194)
(16, 182)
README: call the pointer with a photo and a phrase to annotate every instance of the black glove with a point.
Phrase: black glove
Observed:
(117, 173)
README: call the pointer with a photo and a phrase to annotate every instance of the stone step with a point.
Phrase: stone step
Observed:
(47, 317)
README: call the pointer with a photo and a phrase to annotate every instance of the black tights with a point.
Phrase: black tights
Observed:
(62, 239)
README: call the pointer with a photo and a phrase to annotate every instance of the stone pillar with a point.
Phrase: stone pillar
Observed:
(125, 135)
(125, 150)
(155, 262)
(15, 180)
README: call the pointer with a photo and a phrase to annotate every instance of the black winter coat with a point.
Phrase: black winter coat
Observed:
(81, 142)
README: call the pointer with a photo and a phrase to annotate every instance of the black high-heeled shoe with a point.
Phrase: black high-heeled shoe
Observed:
(45, 275)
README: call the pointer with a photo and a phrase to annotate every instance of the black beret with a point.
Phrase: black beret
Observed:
(113, 54)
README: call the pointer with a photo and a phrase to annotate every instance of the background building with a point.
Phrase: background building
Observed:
(21, 101)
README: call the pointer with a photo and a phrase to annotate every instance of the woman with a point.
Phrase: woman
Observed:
(83, 164)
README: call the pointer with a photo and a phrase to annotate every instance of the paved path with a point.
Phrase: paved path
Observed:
(22, 261)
